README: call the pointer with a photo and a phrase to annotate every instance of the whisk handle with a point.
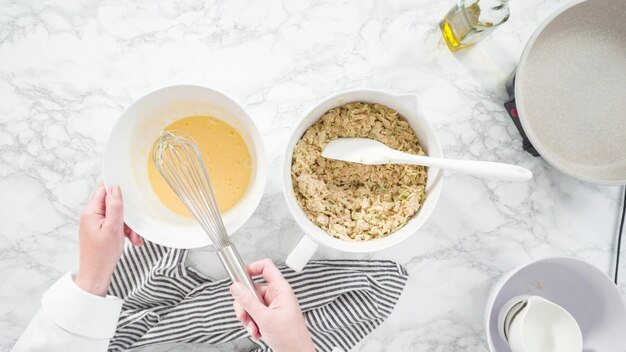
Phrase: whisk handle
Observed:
(235, 268)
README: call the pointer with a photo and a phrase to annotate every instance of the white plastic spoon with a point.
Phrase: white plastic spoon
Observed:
(371, 152)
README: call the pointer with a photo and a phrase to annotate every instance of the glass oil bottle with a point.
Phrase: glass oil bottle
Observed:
(469, 21)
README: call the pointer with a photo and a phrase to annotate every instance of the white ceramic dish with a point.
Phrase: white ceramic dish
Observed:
(579, 287)
(129, 145)
(532, 323)
(407, 106)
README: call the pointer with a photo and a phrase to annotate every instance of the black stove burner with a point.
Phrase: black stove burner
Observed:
(511, 107)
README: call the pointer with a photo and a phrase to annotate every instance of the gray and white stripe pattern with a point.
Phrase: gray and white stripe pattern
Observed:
(168, 302)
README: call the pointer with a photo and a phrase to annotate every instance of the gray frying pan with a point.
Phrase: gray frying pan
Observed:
(570, 90)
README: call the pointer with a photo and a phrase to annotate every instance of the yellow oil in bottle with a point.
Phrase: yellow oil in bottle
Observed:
(471, 20)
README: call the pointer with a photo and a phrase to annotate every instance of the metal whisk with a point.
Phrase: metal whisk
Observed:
(178, 160)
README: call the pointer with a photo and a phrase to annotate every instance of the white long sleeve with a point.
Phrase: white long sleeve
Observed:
(71, 320)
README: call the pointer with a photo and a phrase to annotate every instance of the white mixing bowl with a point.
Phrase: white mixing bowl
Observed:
(577, 286)
(129, 146)
(407, 106)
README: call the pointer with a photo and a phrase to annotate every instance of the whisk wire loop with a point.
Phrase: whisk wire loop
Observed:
(179, 161)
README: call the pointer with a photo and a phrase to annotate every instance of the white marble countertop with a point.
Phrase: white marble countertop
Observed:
(67, 70)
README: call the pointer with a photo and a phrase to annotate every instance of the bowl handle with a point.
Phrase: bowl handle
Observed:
(301, 255)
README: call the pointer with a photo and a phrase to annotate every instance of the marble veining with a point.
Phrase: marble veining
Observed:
(69, 68)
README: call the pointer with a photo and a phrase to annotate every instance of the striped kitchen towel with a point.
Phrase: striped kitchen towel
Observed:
(166, 301)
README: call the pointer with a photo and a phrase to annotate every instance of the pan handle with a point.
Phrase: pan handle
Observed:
(511, 108)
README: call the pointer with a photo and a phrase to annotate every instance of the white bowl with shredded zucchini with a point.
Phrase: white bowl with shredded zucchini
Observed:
(354, 207)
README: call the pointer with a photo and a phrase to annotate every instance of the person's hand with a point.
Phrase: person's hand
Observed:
(102, 233)
(279, 319)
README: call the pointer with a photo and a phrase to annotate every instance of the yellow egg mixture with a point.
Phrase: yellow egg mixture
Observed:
(225, 156)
